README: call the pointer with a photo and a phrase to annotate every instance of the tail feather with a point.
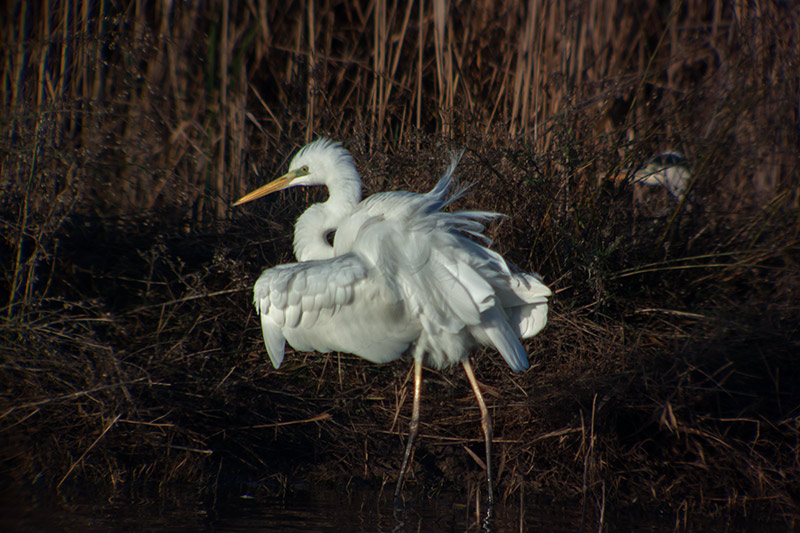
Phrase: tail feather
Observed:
(499, 334)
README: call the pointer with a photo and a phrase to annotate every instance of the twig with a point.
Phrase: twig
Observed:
(76, 463)
(317, 418)
(672, 312)
(186, 299)
(70, 396)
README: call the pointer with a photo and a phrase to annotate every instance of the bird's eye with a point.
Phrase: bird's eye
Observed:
(304, 168)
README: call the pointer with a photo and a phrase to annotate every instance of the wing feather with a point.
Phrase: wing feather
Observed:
(300, 294)
(293, 314)
(273, 339)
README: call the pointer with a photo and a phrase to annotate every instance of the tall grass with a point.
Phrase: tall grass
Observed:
(193, 91)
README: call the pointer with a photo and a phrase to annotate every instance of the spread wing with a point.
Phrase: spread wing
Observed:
(287, 295)
(340, 304)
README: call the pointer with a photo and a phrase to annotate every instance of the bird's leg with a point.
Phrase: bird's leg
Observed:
(412, 430)
(486, 424)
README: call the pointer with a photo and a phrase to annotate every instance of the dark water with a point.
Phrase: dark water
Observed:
(323, 511)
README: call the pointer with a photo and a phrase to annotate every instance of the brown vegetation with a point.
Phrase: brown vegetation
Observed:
(128, 346)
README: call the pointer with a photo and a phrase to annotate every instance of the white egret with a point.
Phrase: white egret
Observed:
(668, 170)
(402, 275)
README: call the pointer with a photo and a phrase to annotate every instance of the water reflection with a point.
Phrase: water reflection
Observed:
(188, 509)
(323, 511)
(366, 511)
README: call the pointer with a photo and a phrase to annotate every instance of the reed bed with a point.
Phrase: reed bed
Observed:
(667, 375)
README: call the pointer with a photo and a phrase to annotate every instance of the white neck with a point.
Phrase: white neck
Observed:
(311, 229)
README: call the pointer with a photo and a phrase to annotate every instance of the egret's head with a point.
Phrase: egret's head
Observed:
(317, 163)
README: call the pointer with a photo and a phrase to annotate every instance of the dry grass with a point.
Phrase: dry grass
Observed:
(667, 374)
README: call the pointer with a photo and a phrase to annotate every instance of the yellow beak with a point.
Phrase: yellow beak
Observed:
(277, 184)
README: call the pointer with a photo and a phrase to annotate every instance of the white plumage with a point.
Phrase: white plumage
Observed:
(401, 276)
(668, 170)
